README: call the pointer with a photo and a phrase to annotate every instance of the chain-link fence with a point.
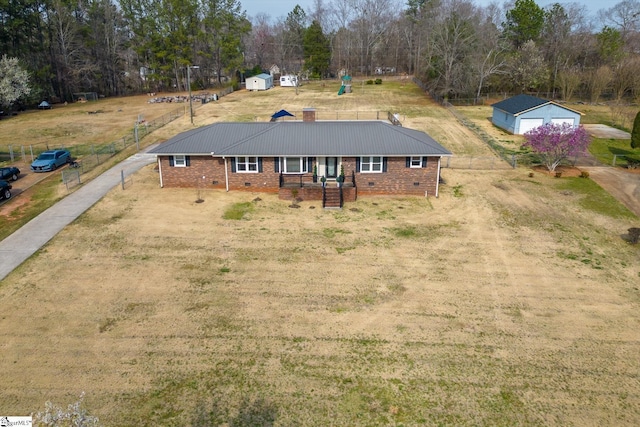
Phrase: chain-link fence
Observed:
(88, 156)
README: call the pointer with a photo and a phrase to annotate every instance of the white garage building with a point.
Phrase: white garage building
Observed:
(521, 113)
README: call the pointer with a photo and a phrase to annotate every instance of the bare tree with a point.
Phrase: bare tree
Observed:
(527, 68)
(598, 80)
(568, 81)
(555, 41)
(416, 28)
(626, 79)
(454, 40)
(109, 38)
(489, 57)
(70, 54)
(624, 16)
(370, 25)
(259, 45)
(320, 13)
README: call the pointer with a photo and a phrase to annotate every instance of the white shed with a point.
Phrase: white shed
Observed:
(289, 80)
(260, 82)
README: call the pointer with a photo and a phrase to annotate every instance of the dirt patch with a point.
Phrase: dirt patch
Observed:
(393, 307)
(19, 200)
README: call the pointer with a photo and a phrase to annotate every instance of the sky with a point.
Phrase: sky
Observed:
(280, 8)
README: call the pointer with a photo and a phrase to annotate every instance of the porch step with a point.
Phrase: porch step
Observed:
(332, 198)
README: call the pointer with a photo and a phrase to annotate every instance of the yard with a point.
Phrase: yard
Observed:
(509, 300)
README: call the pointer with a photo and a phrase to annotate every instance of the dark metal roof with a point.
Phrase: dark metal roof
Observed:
(519, 103)
(363, 138)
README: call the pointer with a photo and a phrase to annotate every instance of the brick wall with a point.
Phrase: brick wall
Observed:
(203, 172)
(208, 172)
(399, 179)
(267, 181)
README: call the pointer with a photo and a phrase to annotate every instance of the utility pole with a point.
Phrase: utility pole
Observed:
(189, 67)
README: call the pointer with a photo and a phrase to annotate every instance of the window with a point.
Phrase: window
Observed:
(247, 164)
(371, 164)
(294, 165)
(416, 162)
(180, 161)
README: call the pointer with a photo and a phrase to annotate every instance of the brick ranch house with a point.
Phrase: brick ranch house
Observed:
(281, 157)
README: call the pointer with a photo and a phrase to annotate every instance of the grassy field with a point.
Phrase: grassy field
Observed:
(509, 300)
(604, 150)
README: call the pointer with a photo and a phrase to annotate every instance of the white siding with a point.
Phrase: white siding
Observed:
(559, 121)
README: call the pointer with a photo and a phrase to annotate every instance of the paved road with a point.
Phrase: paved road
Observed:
(622, 185)
(19, 246)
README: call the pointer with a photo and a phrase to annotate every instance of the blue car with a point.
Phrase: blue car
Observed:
(50, 160)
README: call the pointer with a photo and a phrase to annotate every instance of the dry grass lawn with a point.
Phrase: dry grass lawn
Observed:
(503, 302)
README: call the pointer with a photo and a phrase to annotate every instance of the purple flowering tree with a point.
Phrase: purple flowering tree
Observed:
(557, 142)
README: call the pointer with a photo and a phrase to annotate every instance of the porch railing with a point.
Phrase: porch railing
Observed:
(297, 180)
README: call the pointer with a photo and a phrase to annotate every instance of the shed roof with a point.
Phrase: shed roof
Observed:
(519, 104)
(363, 138)
(263, 76)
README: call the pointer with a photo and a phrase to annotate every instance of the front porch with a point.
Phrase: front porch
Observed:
(303, 187)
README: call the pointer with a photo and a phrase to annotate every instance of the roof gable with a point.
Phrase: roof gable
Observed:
(302, 139)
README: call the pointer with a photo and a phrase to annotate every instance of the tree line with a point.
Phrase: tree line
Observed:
(458, 48)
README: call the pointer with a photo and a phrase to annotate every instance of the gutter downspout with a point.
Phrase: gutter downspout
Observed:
(160, 170)
(226, 174)
(438, 177)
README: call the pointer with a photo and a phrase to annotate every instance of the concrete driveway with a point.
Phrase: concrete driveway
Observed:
(19, 246)
(604, 131)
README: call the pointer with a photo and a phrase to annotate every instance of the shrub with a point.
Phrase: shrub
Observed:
(369, 82)
(378, 81)
(635, 132)
(584, 174)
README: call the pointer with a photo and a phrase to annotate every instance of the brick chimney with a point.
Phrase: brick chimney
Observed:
(308, 114)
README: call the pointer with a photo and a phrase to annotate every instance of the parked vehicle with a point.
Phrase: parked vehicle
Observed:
(50, 160)
(9, 173)
(5, 190)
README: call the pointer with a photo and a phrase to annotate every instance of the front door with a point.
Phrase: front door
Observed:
(332, 167)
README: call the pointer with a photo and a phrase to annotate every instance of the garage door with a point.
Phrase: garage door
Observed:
(527, 124)
(561, 121)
